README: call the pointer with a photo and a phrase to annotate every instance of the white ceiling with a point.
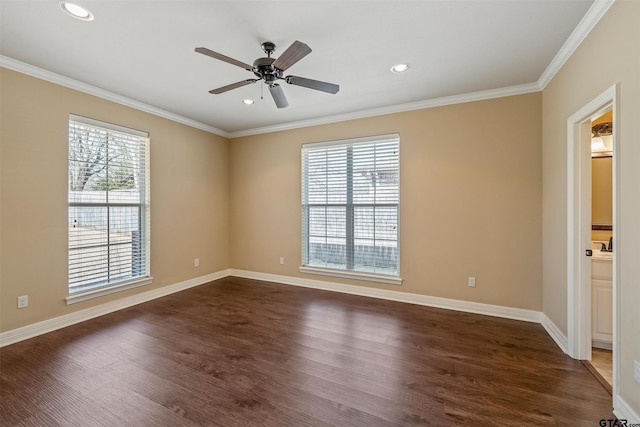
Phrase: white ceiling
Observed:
(144, 51)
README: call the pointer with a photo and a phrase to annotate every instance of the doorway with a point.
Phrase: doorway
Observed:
(579, 230)
(601, 363)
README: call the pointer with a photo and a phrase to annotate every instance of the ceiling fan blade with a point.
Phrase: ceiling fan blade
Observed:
(293, 54)
(221, 57)
(232, 86)
(313, 84)
(278, 96)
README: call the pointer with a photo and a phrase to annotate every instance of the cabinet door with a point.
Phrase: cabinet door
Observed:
(602, 313)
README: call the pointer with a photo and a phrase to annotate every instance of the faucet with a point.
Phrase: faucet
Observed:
(604, 248)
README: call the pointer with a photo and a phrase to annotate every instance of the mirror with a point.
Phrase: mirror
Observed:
(601, 192)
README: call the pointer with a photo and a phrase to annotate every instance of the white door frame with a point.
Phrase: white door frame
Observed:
(579, 228)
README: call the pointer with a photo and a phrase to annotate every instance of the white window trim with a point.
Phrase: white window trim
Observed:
(119, 287)
(107, 126)
(350, 274)
(354, 141)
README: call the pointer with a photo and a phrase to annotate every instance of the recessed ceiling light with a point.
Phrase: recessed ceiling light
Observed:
(75, 11)
(399, 68)
(247, 101)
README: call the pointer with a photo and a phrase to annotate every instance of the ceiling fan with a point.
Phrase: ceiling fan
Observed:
(271, 69)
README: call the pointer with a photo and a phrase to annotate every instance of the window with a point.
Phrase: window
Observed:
(350, 208)
(108, 202)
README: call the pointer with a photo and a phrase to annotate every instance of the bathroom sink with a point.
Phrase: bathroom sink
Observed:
(602, 255)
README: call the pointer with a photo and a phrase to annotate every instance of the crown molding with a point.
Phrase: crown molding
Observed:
(419, 105)
(582, 30)
(40, 73)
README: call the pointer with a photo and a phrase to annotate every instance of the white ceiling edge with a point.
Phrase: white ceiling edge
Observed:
(41, 73)
(584, 27)
(582, 30)
(419, 105)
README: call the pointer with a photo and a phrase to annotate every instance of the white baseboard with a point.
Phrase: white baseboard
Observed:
(623, 411)
(450, 304)
(35, 329)
(605, 345)
(555, 332)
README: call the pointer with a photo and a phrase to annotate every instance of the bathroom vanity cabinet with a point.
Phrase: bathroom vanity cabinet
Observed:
(602, 302)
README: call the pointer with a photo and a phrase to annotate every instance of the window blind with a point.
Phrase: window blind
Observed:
(350, 205)
(108, 204)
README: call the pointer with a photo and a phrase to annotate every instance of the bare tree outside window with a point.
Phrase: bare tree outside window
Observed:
(97, 164)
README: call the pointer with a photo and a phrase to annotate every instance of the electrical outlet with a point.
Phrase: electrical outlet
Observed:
(281, 260)
(23, 301)
(471, 281)
(196, 262)
(636, 370)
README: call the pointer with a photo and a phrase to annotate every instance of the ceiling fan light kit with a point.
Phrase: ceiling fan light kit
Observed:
(270, 70)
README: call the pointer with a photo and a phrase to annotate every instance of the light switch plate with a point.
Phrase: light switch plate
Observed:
(636, 370)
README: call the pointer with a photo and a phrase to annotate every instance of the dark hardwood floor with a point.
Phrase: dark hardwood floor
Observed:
(240, 352)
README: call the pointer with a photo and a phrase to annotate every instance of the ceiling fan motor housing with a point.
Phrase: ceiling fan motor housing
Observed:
(263, 69)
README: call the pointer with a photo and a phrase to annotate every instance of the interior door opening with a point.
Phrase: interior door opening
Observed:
(601, 363)
(581, 243)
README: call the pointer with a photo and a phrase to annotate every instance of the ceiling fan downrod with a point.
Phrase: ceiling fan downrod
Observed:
(268, 48)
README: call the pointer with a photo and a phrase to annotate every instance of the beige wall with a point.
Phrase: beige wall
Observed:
(189, 197)
(615, 41)
(470, 199)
